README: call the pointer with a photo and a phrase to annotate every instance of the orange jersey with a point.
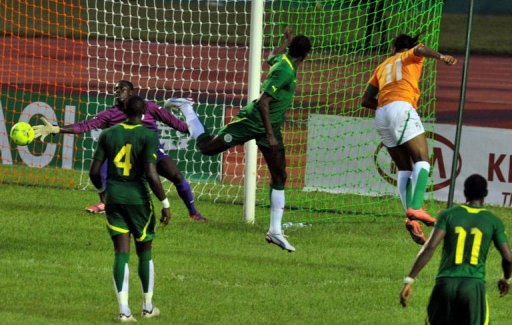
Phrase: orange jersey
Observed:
(397, 78)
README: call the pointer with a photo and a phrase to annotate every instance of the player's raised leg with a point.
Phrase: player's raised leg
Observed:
(418, 151)
(404, 184)
(402, 160)
(415, 231)
(186, 106)
(206, 143)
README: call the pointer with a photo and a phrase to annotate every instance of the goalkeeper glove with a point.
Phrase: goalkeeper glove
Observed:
(44, 130)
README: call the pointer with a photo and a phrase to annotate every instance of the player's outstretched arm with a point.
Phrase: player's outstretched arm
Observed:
(157, 188)
(427, 52)
(44, 130)
(47, 128)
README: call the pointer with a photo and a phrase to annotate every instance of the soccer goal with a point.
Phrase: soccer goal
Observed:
(61, 59)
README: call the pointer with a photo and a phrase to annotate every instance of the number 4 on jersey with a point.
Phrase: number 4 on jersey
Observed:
(123, 159)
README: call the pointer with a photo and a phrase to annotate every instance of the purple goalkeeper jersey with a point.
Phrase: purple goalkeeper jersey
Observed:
(114, 116)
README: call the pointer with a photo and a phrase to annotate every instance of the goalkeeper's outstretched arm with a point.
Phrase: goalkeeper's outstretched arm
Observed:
(100, 121)
(46, 129)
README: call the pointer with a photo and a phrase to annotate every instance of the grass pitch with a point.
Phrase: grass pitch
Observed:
(56, 260)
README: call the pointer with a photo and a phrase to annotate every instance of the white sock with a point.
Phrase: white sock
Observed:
(148, 301)
(276, 210)
(122, 296)
(404, 177)
(148, 296)
(195, 127)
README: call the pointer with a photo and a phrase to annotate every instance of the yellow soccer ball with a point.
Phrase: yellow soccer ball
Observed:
(22, 133)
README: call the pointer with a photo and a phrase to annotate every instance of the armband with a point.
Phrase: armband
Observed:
(165, 203)
(408, 280)
(101, 190)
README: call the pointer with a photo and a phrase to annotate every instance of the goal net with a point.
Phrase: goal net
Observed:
(61, 60)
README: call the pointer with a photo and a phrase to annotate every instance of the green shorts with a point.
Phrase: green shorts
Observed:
(242, 129)
(458, 301)
(137, 219)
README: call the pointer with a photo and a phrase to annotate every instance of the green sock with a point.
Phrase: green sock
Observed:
(408, 193)
(120, 262)
(419, 189)
(146, 274)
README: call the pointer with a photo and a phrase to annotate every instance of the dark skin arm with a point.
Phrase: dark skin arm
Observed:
(156, 187)
(264, 108)
(428, 251)
(427, 52)
(422, 259)
(506, 265)
(95, 173)
(288, 36)
(369, 100)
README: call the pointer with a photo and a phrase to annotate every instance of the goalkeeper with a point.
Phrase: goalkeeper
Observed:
(166, 167)
(260, 120)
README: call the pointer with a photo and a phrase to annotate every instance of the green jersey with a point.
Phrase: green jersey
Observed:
(280, 83)
(469, 234)
(127, 147)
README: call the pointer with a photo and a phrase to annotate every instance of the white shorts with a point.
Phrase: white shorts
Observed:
(397, 123)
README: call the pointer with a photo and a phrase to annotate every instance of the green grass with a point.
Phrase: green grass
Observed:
(55, 266)
(489, 34)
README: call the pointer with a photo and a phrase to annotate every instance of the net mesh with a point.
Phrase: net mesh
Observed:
(61, 60)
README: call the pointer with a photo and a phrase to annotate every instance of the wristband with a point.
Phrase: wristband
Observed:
(165, 203)
(507, 280)
(408, 280)
(101, 190)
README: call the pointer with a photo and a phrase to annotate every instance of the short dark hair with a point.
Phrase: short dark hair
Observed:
(405, 42)
(134, 106)
(125, 84)
(299, 46)
(475, 187)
